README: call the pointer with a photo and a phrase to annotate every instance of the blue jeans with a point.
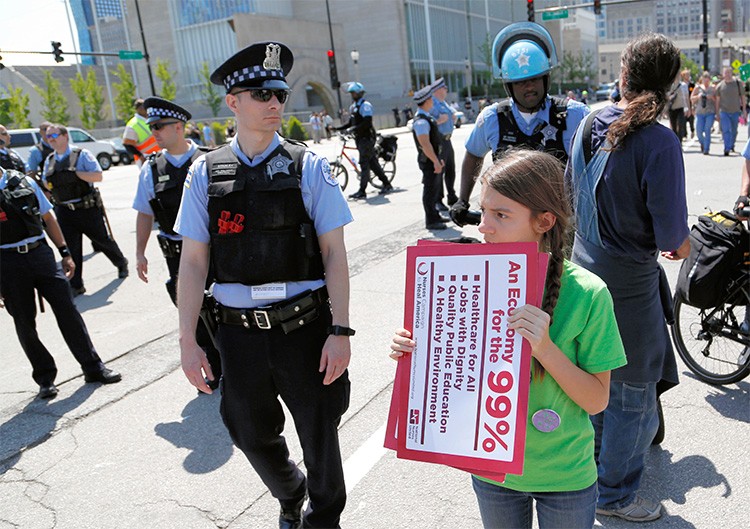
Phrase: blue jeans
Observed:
(623, 435)
(703, 124)
(503, 508)
(729, 121)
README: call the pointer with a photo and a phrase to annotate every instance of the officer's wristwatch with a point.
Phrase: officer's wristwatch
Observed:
(340, 330)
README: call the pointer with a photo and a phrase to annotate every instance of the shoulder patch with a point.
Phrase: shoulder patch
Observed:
(327, 173)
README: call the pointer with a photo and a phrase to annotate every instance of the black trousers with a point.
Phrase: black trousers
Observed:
(20, 274)
(202, 334)
(431, 186)
(678, 122)
(368, 160)
(89, 222)
(449, 173)
(261, 366)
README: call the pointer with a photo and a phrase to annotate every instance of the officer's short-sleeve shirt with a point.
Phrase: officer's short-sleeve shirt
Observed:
(420, 125)
(440, 108)
(365, 109)
(145, 191)
(485, 135)
(44, 207)
(321, 196)
(35, 158)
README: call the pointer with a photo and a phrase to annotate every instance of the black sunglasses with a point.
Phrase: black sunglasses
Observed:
(161, 125)
(264, 95)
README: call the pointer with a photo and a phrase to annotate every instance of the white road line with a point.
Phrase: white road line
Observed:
(362, 461)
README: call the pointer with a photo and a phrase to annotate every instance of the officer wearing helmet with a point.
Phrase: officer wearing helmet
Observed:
(523, 56)
(360, 124)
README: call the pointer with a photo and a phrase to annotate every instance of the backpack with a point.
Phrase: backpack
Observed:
(719, 246)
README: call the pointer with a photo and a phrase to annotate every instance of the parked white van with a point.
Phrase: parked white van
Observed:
(23, 140)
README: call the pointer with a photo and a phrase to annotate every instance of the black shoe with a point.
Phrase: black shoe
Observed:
(441, 207)
(105, 376)
(726, 153)
(452, 200)
(386, 189)
(47, 391)
(122, 270)
(358, 195)
(79, 291)
(437, 226)
(291, 517)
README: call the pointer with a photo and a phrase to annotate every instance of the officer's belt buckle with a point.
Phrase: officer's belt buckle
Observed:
(23, 249)
(262, 321)
(70, 205)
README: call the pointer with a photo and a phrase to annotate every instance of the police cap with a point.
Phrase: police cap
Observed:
(439, 83)
(260, 65)
(158, 108)
(423, 94)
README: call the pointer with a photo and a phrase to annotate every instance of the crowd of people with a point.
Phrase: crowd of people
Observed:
(278, 287)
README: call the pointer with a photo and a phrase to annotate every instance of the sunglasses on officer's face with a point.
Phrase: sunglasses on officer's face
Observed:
(161, 124)
(54, 135)
(264, 95)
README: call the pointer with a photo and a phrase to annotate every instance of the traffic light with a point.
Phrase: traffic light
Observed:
(530, 9)
(597, 7)
(57, 51)
(334, 72)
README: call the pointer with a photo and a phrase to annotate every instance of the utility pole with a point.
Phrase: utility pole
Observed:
(145, 49)
(705, 35)
(333, 50)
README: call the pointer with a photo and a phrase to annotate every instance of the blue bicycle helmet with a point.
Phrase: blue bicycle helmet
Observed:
(356, 87)
(522, 50)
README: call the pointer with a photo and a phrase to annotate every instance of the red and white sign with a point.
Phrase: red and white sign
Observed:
(460, 398)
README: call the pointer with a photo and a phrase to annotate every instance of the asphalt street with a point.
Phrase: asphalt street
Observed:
(151, 453)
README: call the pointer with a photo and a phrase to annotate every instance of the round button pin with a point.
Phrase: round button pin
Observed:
(546, 420)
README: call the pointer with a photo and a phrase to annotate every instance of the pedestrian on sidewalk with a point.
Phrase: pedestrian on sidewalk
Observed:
(27, 263)
(361, 126)
(629, 202)
(706, 109)
(269, 217)
(160, 187)
(523, 55)
(522, 200)
(445, 117)
(69, 174)
(731, 108)
(678, 108)
(429, 143)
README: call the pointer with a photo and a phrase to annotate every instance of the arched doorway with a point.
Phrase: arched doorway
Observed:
(318, 95)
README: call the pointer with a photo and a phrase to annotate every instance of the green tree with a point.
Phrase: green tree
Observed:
(54, 103)
(211, 96)
(18, 108)
(91, 98)
(4, 104)
(694, 67)
(168, 87)
(124, 93)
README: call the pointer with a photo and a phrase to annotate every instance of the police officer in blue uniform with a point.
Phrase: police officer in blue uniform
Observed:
(27, 263)
(429, 142)
(39, 153)
(69, 174)
(445, 117)
(523, 56)
(360, 124)
(160, 186)
(269, 216)
(9, 159)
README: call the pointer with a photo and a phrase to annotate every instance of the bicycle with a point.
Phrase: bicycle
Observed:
(714, 342)
(386, 159)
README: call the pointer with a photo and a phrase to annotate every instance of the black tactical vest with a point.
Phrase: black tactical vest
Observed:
(260, 231)
(65, 185)
(10, 160)
(368, 132)
(511, 136)
(435, 140)
(46, 150)
(19, 209)
(168, 185)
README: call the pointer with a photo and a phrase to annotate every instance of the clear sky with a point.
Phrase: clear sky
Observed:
(30, 25)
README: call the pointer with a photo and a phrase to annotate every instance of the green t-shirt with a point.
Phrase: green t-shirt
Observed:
(585, 330)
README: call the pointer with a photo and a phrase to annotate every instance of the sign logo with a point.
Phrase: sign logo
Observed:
(413, 416)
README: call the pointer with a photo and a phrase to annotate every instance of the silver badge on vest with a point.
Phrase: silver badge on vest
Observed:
(279, 164)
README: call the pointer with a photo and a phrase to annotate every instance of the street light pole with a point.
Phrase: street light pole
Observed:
(720, 35)
(355, 58)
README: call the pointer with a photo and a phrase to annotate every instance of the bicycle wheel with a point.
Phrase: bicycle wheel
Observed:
(711, 346)
(389, 168)
(340, 173)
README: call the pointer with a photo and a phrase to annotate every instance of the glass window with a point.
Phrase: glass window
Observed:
(22, 139)
(77, 136)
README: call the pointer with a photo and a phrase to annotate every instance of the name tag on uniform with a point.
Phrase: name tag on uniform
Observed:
(163, 178)
(268, 291)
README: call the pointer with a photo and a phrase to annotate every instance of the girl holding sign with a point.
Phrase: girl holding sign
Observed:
(574, 341)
